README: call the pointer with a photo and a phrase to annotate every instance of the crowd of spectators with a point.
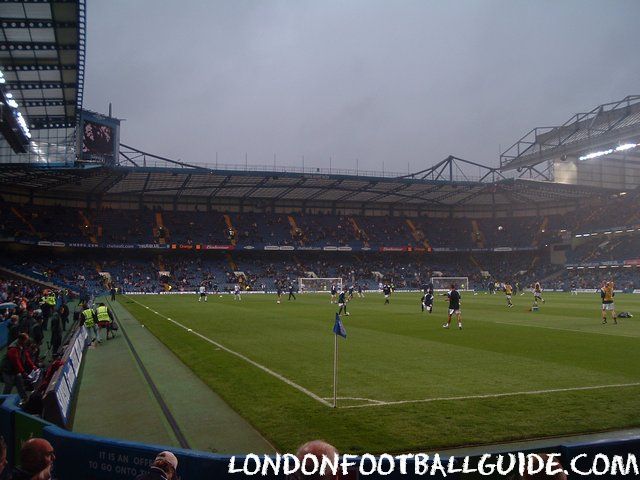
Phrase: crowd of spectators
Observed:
(250, 232)
(35, 316)
(194, 227)
(37, 457)
(70, 272)
(35, 319)
(186, 271)
(593, 278)
(614, 211)
(606, 248)
(327, 230)
(149, 226)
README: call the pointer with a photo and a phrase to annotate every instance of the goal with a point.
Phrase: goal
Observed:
(314, 284)
(444, 283)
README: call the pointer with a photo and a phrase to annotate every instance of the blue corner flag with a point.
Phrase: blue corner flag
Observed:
(338, 328)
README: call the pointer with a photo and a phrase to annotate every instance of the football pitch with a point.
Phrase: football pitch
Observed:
(405, 383)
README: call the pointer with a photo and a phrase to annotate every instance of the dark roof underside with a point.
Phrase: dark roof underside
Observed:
(42, 57)
(120, 183)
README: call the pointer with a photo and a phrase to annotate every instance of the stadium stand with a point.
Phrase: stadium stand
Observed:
(185, 272)
(377, 242)
(110, 226)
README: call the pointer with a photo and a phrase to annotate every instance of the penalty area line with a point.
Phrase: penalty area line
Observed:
(497, 395)
(242, 357)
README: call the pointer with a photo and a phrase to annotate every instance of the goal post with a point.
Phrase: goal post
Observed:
(444, 283)
(314, 284)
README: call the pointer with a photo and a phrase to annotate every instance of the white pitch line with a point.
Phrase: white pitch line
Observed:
(371, 400)
(497, 395)
(246, 359)
(378, 403)
(563, 329)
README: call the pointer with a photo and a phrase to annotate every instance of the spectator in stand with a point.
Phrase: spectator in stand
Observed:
(48, 305)
(36, 334)
(36, 460)
(77, 312)
(34, 352)
(56, 332)
(319, 449)
(16, 366)
(26, 322)
(63, 311)
(164, 467)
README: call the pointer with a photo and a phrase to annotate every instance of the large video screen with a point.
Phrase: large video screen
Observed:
(98, 138)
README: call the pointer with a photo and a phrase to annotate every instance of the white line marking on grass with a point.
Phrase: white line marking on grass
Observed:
(370, 400)
(497, 395)
(246, 359)
(564, 329)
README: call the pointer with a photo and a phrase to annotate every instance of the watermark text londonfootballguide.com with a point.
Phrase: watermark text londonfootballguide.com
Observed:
(421, 464)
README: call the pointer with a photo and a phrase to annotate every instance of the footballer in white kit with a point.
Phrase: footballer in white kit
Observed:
(203, 293)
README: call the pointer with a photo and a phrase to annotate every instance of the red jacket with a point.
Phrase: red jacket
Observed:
(18, 356)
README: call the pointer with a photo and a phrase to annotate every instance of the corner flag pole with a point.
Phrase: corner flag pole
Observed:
(335, 372)
(338, 329)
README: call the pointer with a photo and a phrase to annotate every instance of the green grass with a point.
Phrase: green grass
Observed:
(394, 353)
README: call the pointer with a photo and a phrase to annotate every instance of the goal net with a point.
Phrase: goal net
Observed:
(444, 283)
(318, 284)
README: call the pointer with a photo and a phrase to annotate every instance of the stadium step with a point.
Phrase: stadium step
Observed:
(418, 235)
(231, 262)
(292, 222)
(160, 263)
(17, 213)
(87, 231)
(478, 236)
(543, 228)
(162, 239)
(359, 233)
(229, 223)
(414, 230)
(296, 232)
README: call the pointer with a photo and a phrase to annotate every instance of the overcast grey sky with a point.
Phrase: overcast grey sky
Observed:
(402, 82)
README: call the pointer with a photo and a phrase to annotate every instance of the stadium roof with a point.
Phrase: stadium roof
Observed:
(603, 127)
(42, 59)
(203, 186)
